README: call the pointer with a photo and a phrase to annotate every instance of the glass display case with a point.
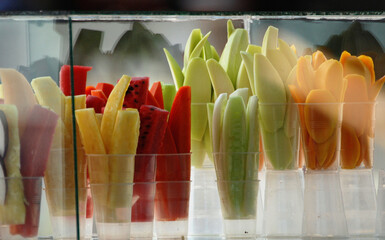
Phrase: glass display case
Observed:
(191, 126)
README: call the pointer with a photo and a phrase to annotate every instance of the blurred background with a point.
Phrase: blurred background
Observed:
(191, 5)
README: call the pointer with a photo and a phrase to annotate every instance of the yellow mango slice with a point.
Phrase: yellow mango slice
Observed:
(350, 147)
(126, 132)
(89, 131)
(321, 114)
(121, 169)
(114, 103)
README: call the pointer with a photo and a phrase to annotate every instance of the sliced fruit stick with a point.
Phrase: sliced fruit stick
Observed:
(98, 167)
(35, 145)
(176, 71)
(80, 79)
(124, 141)
(220, 81)
(199, 47)
(270, 89)
(105, 87)
(114, 103)
(169, 92)
(49, 94)
(99, 93)
(270, 39)
(230, 28)
(18, 91)
(329, 76)
(136, 94)
(89, 89)
(317, 59)
(288, 52)
(233, 137)
(248, 64)
(252, 163)
(230, 59)
(321, 119)
(281, 158)
(13, 211)
(305, 75)
(36, 141)
(192, 41)
(233, 144)
(242, 92)
(153, 123)
(280, 63)
(93, 144)
(151, 100)
(198, 78)
(156, 91)
(96, 103)
(180, 119)
(356, 107)
(350, 147)
(219, 109)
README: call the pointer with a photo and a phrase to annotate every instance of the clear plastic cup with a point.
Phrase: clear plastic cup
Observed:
(20, 207)
(359, 195)
(111, 181)
(238, 186)
(320, 127)
(279, 124)
(283, 208)
(66, 212)
(113, 210)
(172, 209)
(357, 135)
(142, 212)
(61, 190)
(239, 208)
(143, 196)
(380, 218)
(324, 213)
(205, 217)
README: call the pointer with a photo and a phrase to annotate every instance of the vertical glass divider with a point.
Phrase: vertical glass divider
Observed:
(74, 128)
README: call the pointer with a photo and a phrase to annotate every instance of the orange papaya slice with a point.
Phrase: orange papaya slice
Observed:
(350, 147)
(318, 58)
(355, 113)
(368, 62)
(305, 75)
(321, 114)
(329, 75)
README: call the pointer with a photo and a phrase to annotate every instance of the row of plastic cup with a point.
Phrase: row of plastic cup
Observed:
(206, 217)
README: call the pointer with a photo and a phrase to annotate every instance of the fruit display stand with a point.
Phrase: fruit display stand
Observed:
(65, 76)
